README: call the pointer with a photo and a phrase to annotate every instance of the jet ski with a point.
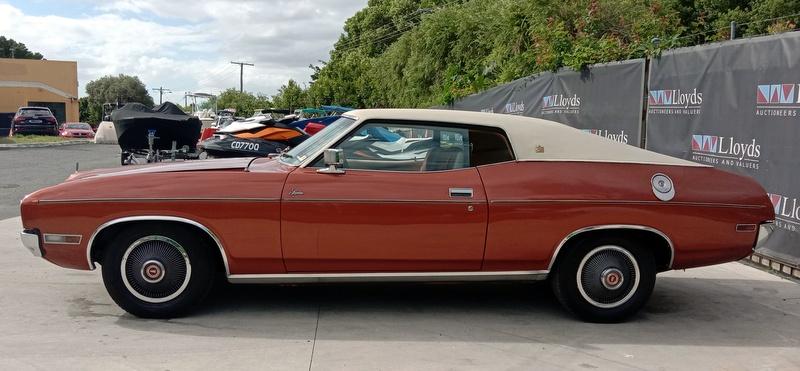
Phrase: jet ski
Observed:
(253, 138)
(324, 116)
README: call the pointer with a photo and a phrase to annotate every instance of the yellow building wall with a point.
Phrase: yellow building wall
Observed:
(60, 75)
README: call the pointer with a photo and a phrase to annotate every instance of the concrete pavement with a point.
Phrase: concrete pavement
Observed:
(724, 317)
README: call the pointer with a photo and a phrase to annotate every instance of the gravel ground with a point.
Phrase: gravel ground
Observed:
(24, 170)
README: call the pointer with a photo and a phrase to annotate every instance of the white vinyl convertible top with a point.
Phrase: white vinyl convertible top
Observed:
(533, 138)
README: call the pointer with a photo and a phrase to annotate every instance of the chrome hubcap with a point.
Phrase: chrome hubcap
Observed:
(155, 269)
(608, 276)
(612, 278)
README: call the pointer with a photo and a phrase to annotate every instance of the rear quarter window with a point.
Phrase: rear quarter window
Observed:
(489, 147)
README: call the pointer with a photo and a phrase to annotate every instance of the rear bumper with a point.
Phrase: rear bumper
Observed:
(34, 129)
(30, 239)
(764, 230)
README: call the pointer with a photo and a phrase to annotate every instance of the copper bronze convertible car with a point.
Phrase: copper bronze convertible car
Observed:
(399, 195)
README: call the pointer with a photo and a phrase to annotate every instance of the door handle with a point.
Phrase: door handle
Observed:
(461, 192)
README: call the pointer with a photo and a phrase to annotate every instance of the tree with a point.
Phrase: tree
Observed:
(244, 103)
(290, 96)
(89, 112)
(118, 89)
(420, 53)
(12, 49)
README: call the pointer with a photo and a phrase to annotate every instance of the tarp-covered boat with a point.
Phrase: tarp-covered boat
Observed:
(167, 123)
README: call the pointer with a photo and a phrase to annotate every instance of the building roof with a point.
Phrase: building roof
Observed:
(533, 138)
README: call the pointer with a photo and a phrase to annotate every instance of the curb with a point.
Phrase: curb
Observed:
(773, 266)
(45, 144)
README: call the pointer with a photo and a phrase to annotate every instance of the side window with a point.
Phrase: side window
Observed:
(489, 147)
(405, 147)
(419, 147)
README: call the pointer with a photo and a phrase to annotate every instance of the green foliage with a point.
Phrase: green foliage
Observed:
(88, 112)
(417, 53)
(244, 103)
(118, 89)
(9, 48)
(290, 96)
(209, 103)
(111, 89)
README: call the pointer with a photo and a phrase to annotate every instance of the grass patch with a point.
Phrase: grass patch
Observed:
(26, 139)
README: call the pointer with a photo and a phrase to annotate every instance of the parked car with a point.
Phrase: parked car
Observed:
(486, 197)
(34, 120)
(76, 130)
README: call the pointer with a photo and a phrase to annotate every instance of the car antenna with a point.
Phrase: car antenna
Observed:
(77, 166)
(247, 168)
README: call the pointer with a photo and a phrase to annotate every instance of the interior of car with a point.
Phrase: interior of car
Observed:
(393, 146)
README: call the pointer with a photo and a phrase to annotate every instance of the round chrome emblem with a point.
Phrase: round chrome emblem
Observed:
(612, 278)
(663, 188)
(152, 271)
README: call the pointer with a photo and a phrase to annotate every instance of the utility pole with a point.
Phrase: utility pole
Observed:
(241, 73)
(161, 91)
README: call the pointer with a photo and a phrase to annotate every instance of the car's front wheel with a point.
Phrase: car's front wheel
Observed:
(604, 280)
(157, 271)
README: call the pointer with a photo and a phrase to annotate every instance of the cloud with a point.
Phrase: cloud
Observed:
(188, 45)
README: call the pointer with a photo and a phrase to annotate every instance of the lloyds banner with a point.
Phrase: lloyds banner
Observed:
(734, 105)
(604, 99)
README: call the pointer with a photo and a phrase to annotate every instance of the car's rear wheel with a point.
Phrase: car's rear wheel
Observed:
(604, 280)
(158, 271)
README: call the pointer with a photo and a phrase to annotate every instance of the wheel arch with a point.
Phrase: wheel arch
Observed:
(98, 237)
(663, 250)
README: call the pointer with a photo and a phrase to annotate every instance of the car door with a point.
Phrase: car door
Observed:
(408, 201)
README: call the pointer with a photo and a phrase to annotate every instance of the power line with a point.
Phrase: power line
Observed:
(241, 73)
(739, 25)
(353, 44)
(214, 75)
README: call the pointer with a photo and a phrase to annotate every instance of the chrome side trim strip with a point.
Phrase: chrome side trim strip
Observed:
(630, 202)
(612, 226)
(389, 277)
(155, 199)
(156, 218)
(58, 239)
(688, 164)
(386, 201)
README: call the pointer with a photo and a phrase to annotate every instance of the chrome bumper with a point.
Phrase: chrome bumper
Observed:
(764, 230)
(31, 242)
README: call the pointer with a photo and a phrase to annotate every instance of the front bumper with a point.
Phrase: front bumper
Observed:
(30, 239)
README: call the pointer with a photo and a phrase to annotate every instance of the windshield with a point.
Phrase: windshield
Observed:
(317, 142)
(79, 126)
(29, 112)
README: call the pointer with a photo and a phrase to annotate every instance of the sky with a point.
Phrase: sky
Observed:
(182, 45)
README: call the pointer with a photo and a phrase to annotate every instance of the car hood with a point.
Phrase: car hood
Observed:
(199, 165)
(78, 131)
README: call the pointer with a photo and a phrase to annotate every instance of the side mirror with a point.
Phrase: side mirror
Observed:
(332, 159)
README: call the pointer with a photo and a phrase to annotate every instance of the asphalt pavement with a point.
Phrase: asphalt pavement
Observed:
(24, 170)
